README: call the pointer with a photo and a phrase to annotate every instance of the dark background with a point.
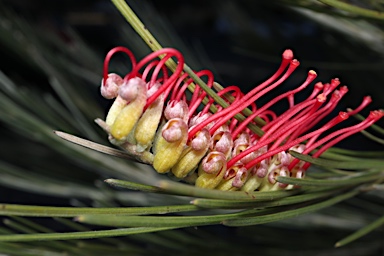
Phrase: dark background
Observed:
(240, 41)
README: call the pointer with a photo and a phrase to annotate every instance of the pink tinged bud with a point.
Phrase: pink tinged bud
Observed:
(211, 170)
(199, 118)
(110, 88)
(135, 91)
(240, 178)
(232, 176)
(168, 153)
(129, 90)
(222, 142)
(262, 170)
(271, 183)
(241, 144)
(284, 158)
(212, 163)
(176, 109)
(201, 140)
(173, 130)
(242, 139)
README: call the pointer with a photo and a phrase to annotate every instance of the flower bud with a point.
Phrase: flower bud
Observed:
(168, 152)
(218, 166)
(134, 90)
(222, 142)
(192, 155)
(148, 123)
(253, 182)
(176, 109)
(111, 86)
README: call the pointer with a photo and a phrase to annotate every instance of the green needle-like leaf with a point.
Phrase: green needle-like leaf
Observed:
(362, 232)
(134, 186)
(80, 235)
(240, 204)
(187, 190)
(355, 10)
(355, 179)
(351, 165)
(48, 211)
(246, 221)
(158, 221)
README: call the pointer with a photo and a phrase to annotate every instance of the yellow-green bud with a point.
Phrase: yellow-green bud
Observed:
(135, 91)
(170, 145)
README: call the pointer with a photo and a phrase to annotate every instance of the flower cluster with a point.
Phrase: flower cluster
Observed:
(159, 122)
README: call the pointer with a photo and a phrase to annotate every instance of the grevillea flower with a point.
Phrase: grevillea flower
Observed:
(157, 120)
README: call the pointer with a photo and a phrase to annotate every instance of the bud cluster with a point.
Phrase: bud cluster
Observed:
(158, 121)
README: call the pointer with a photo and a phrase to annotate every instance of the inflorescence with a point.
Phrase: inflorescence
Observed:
(159, 122)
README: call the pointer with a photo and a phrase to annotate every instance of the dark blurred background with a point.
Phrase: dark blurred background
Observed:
(240, 41)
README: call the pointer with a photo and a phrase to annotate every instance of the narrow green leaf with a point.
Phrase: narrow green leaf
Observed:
(343, 181)
(355, 10)
(157, 221)
(188, 190)
(133, 186)
(355, 153)
(79, 227)
(353, 165)
(361, 232)
(30, 227)
(80, 235)
(240, 204)
(247, 221)
(50, 211)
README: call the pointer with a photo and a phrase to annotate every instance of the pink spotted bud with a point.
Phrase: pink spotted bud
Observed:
(173, 130)
(284, 158)
(168, 152)
(262, 170)
(176, 109)
(212, 163)
(240, 178)
(110, 88)
(129, 89)
(211, 170)
(222, 142)
(201, 140)
(199, 118)
(283, 171)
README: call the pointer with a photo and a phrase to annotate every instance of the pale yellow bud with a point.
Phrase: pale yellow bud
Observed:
(226, 185)
(115, 109)
(168, 151)
(211, 180)
(189, 161)
(252, 183)
(130, 114)
(147, 125)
